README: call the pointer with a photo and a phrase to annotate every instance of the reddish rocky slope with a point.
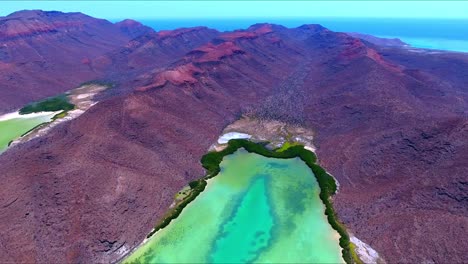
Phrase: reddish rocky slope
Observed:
(390, 124)
(45, 53)
(131, 63)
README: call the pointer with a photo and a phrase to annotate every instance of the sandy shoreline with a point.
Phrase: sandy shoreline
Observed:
(365, 252)
(16, 115)
(127, 254)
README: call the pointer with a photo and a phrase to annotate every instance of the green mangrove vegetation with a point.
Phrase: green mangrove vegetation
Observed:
(51, 104)
(196, 188)
(287, 145)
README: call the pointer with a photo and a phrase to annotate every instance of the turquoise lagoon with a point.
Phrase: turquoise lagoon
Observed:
(13, 126)
(256, 210)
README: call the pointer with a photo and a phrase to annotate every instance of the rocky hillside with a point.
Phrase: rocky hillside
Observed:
(45, 53)
(390, 123)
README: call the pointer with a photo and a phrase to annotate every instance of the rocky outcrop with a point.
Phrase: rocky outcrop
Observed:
(133, 28)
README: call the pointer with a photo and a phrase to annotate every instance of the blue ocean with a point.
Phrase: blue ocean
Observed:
(420, 33)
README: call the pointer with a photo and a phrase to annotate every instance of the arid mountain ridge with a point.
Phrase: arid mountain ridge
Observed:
(390, 123)
(45, 53)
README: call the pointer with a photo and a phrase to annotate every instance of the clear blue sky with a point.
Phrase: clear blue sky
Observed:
(114, 10)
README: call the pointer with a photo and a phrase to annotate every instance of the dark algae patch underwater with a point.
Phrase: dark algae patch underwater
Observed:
(326, 182)
(287, 213)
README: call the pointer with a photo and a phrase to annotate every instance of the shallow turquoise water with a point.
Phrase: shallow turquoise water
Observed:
(435, 43)
(258, 209)
(235, 246)
(11, 129)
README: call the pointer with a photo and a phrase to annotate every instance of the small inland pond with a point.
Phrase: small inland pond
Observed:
(256, 210)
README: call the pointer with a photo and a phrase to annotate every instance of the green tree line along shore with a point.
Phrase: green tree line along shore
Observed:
(51, 104)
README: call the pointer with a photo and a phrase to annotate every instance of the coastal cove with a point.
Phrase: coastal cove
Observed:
(274, 198)
(36, 118)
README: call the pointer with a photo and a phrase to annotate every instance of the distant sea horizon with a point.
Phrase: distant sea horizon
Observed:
(438, 34)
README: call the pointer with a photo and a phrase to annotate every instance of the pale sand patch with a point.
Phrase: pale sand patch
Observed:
(82, 96)
(16, 115)
(275, 132)
(224, 139)
(122, 250)
(310, 148)
(365, 252)
(219, 148)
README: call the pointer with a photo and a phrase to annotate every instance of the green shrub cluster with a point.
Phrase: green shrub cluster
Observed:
(199, 186)
(52, 104)
(194, 184)
(98, 82)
